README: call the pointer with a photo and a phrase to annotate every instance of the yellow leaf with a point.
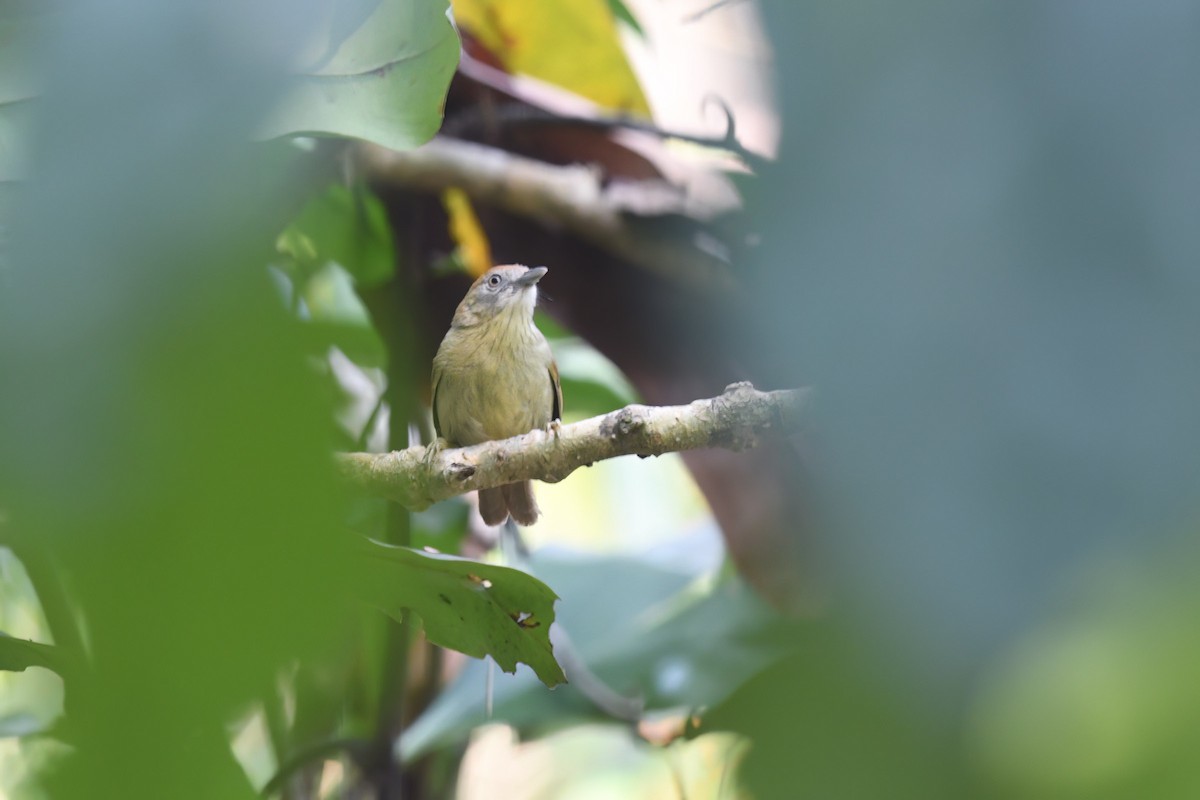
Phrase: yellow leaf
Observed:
(570, 43)
(466, 231)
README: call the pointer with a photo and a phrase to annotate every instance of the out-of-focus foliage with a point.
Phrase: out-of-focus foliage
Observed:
(472, 249)
(378, 71)
(595, 384)
(16, 90)
(347, 226)
(979, 247)
(622, 13)
(477, 609)
(1100, 699)
(30, 701)
(14, 122)
(598, 761)
(165, 449)
(338, 243)
(662, 636)
(19, 655)
(568, 43)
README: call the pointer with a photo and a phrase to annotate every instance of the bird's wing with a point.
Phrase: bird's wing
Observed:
(437, 378)
(557, 407)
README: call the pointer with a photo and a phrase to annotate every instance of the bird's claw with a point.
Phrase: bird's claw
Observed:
(433, 449)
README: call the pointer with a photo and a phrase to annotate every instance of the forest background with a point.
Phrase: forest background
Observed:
(228, 248)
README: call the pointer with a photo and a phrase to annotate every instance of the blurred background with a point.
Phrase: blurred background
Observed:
(233, 234)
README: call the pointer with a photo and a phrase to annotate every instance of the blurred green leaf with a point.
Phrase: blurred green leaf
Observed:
(979, 244)
(591, 384)
(340, 240)
(442, 526)
(359, 342)
(474, 608)
(1101, 701)
(622, 12)
(197, 512)
(824, 725)
(386, 82)
(17, 38)
(330, 297)
(347, 225)
(549, 326)
(643, 630)
(14, 134)
(17, 655)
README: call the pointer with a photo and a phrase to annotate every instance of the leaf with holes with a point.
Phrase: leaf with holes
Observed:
(474, 608)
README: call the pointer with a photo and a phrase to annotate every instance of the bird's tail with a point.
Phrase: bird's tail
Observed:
(513, 498)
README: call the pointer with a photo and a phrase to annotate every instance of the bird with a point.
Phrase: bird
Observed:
(494, 376)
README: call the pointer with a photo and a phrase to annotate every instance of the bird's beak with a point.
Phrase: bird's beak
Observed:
(531, 276)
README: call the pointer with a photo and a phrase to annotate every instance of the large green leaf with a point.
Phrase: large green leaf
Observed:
(475, 608)
(384, 82)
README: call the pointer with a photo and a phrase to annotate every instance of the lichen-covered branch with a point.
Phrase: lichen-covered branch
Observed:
(734, 420)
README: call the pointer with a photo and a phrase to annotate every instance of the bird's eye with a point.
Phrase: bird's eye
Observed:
(494, 281)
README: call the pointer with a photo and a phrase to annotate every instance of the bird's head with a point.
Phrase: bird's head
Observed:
(500, 292)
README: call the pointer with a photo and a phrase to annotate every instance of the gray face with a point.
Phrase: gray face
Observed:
(502, 287)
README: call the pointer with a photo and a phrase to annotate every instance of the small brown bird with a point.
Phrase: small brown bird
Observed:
(494, 377)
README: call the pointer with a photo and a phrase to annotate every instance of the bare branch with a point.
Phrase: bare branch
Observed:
(735, 420)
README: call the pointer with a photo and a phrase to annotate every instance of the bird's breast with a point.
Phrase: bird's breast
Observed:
(488, 391)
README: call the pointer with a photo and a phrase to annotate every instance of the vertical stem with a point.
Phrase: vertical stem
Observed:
(396, 318)
(390, 777)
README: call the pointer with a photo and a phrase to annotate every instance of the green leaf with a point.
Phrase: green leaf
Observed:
(385, 82)
(346, 225)
(17, 655)
(643, 630)
(591, 383)
(474, 608)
